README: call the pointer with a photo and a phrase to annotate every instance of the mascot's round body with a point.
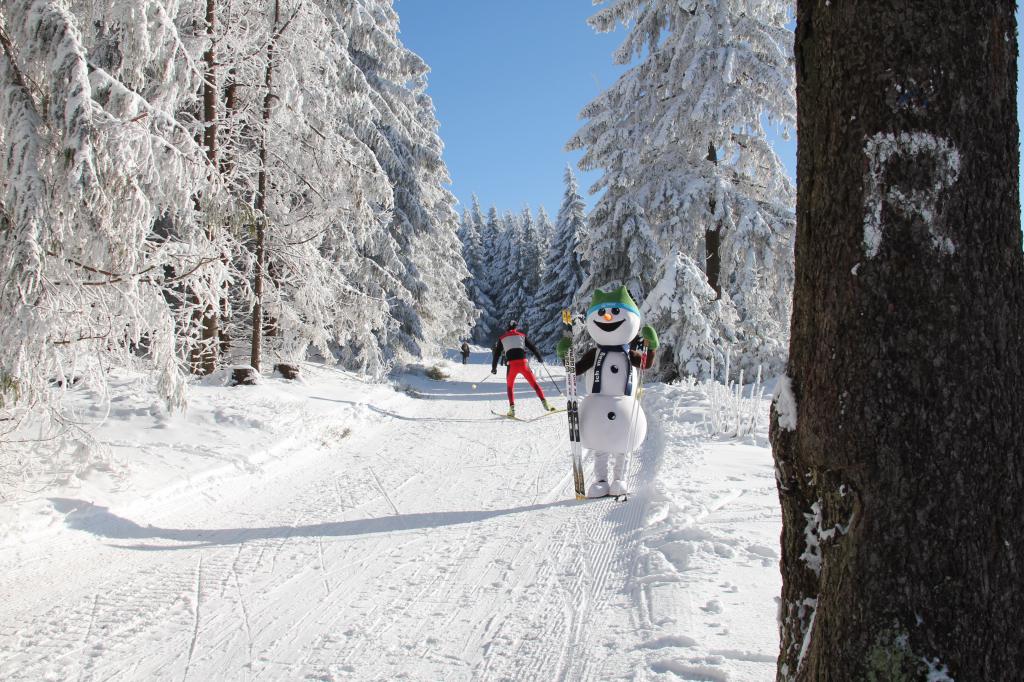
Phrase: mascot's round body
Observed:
(612, 422)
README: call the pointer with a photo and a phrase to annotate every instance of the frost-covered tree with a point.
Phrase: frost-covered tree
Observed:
(542, 229)
(509, 262)
(93, 156)
(564, 267)
(682, 306)
(430, 303)
(471, 238)
(95, 171)
(680, 139)
(545, 232)
(311, 186)
(473, 252)
(529, 265)
(495, 263)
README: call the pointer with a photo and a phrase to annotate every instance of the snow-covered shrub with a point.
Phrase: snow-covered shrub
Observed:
(734, 409)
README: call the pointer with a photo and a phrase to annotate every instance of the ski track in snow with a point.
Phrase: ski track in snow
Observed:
(389, 537)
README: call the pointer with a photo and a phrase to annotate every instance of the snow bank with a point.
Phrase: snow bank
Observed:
(151, 456)
(707, 569)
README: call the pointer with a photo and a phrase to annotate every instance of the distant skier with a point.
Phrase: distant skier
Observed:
(512, 345)
(465, 353)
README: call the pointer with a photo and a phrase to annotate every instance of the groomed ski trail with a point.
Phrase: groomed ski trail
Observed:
(436, 541)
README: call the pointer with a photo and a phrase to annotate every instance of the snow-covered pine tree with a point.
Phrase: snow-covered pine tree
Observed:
(515, 300)
(529, 267)
(494, 264)
(430, 305)
(687, 167)
(564, 268)
(448, 307)
(683, 308)
(543, 229)
(545, 233)
(487, 323)
(113, 208)
(104, 257)
(470, 239)
(320, 292)
(124, 224)
(472, 221)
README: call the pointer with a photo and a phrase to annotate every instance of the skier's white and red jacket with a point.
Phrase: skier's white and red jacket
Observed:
(514, 345)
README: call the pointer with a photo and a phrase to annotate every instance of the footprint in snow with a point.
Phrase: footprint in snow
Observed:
(713, 606)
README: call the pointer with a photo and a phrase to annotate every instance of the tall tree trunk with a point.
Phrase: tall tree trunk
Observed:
(205, 361)
(261, 199)
(713, 240)
(228, 155)
(902, 479)
(227, 152)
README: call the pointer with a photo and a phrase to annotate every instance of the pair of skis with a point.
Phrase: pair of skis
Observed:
(527, 419)
(572, 410)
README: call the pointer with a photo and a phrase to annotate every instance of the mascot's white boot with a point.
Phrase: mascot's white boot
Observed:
(599, 488)
(618, 479)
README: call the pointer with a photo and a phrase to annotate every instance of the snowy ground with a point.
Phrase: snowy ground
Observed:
(333, 529)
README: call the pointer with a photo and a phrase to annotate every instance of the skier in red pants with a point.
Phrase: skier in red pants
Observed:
(514, 344)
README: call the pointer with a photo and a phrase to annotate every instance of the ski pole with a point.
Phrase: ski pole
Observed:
(634, 416)
(552, 379)
(486, 377)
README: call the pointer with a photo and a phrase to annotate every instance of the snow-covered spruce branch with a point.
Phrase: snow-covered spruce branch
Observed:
(116, 278)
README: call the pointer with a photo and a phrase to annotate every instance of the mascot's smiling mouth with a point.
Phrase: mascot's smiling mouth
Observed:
(608, 326)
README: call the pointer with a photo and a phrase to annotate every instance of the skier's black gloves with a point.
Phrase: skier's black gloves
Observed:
(494, 371)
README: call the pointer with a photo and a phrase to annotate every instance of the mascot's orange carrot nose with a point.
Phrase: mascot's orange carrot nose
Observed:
(607, 317)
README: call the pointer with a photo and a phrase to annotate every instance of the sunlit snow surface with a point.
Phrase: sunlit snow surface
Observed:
(333, 530)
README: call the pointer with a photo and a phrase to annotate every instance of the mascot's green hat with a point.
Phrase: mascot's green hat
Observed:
(619, 298)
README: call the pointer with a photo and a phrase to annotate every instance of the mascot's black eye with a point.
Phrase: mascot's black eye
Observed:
(615, 311)
(600, 312)
(611, 416)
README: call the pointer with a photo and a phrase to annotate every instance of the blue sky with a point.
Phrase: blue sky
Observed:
(508, 80)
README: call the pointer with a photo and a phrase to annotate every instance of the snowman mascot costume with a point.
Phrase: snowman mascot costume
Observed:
(612, 422)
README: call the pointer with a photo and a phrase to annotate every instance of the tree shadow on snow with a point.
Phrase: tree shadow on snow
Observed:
(101, 522)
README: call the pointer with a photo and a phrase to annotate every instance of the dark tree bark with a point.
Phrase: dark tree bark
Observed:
(204, 361)
(904, 474)
(228, 156)
(244, 376)
(261, 198)
(289, 370)
(712, 241)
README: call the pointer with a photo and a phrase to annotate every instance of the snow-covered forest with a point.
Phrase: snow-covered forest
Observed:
(190, 186)
(525, 268)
